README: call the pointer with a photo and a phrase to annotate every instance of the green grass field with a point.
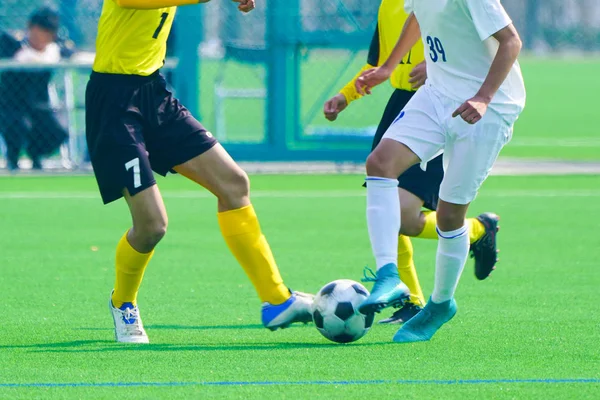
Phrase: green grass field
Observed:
(525, 333)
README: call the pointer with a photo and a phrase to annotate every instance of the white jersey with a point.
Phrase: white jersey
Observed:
(458, 36)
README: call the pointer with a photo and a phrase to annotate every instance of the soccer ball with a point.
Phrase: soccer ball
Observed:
(335, 311)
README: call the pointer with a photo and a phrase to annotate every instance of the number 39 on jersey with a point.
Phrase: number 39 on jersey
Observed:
(436, 49)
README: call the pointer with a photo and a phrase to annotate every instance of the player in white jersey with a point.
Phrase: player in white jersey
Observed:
(473, 96)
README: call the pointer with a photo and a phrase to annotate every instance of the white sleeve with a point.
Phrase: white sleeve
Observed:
(488, 16)
(408, 6)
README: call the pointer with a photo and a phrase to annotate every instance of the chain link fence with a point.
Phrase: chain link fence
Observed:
(42, 90)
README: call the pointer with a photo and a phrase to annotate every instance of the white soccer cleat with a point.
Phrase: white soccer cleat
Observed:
(128, 323)
(298, 308)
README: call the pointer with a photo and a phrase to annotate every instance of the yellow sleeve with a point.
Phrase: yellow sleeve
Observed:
(349, 91)
(154, 4)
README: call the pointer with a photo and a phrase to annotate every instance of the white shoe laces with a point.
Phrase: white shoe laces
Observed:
(135, 328)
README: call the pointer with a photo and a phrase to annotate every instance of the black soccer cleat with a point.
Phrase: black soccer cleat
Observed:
(485, 251)
(402, 315)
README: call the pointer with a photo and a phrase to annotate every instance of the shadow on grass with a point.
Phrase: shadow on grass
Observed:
(58, 345)
(190, 327)
(106, 346)
(101, 346)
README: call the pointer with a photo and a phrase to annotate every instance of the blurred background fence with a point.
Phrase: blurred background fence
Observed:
(258, 81)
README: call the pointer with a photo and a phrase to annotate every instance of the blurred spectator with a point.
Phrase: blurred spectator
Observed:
(26, 116)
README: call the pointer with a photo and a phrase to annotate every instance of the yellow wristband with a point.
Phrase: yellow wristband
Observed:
(349, 91)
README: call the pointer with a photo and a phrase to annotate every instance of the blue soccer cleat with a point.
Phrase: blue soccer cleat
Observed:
(298, 308)
(426, 323)
(388, 290)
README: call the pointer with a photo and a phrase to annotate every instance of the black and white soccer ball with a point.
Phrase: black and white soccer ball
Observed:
(335, 311)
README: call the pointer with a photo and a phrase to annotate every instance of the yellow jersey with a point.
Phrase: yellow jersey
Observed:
(390, 21)
(132, 42)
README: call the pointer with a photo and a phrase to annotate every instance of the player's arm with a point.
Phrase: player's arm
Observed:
(508, 51)
(490, 19)
(348, 93)
(411, 33)
(154, 4)
(244, 5)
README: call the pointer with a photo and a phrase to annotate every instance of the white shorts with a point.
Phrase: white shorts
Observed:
(426, 126)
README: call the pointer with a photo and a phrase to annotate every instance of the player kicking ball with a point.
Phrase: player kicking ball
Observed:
(135, 126)
(416, 188)
(472, 48)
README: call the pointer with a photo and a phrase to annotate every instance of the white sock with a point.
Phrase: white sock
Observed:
(383, 219)
(452, 253)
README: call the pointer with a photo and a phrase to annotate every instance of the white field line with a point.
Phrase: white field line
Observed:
(555, 142)
(504, 166)
(308, 194)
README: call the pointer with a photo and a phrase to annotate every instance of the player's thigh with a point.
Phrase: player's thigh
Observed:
(126, 167)
(180, 143)
(398, 100)
(470, 155)
(418, 129)
(221, 175)
(116, 144)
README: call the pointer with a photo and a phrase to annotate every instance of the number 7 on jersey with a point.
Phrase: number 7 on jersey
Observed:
(137, 176)
(163, 19)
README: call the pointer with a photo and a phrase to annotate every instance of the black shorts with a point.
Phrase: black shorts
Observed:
(135, 126)
(423, 184)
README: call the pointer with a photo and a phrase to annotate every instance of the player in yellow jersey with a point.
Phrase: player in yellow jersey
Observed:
(134, 127)
(416, 188)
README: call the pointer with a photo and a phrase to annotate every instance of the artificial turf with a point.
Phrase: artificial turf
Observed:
(516, 335)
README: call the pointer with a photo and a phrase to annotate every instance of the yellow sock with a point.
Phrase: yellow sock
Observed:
(243, 236)
(476, 230)
(130, 271)
(407, 271)
(429, 231)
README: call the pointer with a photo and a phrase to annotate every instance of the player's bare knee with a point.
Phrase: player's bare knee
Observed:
(412, 224)
(149, 233)
(236, 190)
(377, 165)
(157, 232)
(449, 219)
(240, 185)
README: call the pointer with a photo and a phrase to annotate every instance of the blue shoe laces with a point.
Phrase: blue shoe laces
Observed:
(366, 277)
